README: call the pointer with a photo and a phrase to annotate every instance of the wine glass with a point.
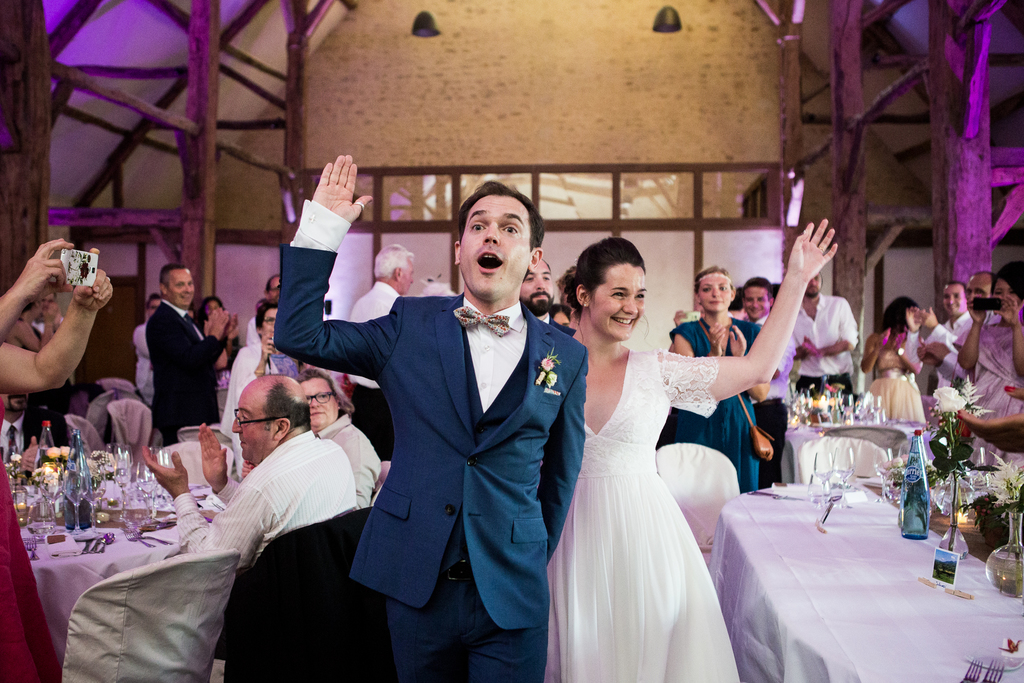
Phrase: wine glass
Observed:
(73, 486)
(135, 509)
(823, 464)
(146, 481)
(844, 463)
(122, 465)
(881, 460)
(818, 491)
(41, 518)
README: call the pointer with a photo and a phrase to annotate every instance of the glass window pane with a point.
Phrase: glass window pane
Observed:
(725, 193)
(521, 181)
(432, 257)
(571, 196)
(417, 198)
(656, 195)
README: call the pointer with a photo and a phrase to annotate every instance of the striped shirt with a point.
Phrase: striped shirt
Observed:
(303, 481)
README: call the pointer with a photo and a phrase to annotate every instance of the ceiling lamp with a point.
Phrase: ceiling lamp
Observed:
(424, 25)
(667, 20)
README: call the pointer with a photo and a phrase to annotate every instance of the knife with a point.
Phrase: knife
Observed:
(776, 496)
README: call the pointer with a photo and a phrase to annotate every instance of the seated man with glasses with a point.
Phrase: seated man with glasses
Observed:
(303, 480)
(330, 413)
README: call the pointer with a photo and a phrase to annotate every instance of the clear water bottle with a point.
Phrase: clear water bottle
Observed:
(77, 486)
(45, 439)
(915, 499)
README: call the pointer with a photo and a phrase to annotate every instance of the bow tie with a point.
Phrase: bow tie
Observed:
(468, 317)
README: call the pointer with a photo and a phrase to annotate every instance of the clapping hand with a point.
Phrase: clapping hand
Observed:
(718, 337)
(337, 187)
(811, 252)
(807, 349)
(175, 480)
(932, 353)
(215, 464)
(737, 343)
(217, 324)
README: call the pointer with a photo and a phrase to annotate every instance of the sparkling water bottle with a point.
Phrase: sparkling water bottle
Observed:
(79, 486)
(915, 499)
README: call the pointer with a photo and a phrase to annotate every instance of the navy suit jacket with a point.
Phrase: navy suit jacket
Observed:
(184, 382)
(512, 486)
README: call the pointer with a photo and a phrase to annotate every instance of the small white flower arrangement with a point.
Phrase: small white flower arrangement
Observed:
(1007, 482)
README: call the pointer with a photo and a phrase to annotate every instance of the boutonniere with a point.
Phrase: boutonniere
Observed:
(547, 375)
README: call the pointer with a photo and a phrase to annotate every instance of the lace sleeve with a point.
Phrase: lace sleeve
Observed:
(688, 381)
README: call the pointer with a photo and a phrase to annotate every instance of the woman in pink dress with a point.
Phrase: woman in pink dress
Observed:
(26, 652)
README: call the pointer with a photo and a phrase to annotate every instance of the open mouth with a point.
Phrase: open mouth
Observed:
(489, 261)
(623, 321)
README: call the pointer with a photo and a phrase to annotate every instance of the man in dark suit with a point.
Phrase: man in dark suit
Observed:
(26, 423)
(184, 381)
(486, 451)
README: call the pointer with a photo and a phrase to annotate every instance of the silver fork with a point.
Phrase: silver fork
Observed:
(994, 673)
(134, 535)
(973, 672)
(30, 545)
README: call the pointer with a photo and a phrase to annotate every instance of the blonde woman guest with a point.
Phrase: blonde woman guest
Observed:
(717, 334)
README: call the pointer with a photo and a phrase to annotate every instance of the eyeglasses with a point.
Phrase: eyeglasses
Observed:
(321, 398)
(242, 423)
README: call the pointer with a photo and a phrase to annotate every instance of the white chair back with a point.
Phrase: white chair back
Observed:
(702, 480)
(126, 629)
(191, 454)
(863, 453)
(132, 423)
(97, 413)
(119, 383)
(90, 436)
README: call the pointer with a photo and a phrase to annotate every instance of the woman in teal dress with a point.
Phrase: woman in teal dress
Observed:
(717, 334)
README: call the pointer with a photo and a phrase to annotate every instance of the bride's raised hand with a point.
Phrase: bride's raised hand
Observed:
(336, 188)
(811, 251)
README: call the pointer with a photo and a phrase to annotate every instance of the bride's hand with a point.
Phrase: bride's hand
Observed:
(811, 252)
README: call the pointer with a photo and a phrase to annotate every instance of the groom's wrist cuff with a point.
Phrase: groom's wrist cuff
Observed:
(320, 228)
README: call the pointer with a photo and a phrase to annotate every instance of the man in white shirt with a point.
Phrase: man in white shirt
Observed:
(770, 414)
(824, 334)
(935, 344)
(393, 270)
(143, 366)
(301, 480)
(271, 293)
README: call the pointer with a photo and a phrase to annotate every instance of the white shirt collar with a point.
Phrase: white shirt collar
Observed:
(17, 424)
(391, 291)
(516, 320)
(181, 311)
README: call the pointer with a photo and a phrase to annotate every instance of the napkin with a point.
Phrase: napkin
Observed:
(65, 547)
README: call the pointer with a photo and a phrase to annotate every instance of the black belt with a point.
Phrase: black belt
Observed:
(460, 571)
(769, 402)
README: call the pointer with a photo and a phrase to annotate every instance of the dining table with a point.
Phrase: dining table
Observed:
(848, 605)
(797, 470)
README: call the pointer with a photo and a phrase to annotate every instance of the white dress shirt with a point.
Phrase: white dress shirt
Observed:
(494, 357)
(303, 481)
(19, 436)
(143, 366)
(361, 456)
(374, 304)
(949, 334)
(832, 322)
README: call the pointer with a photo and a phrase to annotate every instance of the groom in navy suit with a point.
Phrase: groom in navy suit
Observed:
(488, 415)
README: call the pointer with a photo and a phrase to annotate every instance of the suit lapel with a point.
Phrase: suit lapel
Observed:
(539, 342)
(453, 361)
(189, 328)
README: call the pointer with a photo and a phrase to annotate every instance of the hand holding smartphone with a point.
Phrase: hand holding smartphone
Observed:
(79, 267)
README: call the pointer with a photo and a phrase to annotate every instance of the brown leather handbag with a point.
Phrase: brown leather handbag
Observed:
(760, 440)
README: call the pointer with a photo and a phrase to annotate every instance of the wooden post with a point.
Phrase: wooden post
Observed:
(24, 135)
(792, 136)
(295, 114)
(198, 152)
(849, 203)
(961, 165)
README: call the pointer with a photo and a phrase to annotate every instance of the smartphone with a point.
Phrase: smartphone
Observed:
(987, 303)
(79, 267)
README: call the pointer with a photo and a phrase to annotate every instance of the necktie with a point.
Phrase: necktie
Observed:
(467, 317)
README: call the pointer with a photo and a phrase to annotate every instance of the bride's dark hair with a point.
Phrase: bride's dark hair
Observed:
(593, 265)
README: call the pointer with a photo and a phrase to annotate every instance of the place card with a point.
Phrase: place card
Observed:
(856, 496)
(944, 569)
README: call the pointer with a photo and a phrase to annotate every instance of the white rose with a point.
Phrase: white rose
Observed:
(949, 400)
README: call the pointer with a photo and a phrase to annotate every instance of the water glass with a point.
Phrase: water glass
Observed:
(41, 518)
(844, 463)
(135, 507)
(818, 491)
(20, 495)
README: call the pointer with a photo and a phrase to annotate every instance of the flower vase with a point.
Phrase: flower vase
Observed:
(954, 540)
(1005, 566)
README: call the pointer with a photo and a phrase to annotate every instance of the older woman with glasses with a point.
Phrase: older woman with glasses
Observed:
(330, 413)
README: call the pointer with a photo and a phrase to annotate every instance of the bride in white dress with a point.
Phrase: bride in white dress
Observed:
(631, 597)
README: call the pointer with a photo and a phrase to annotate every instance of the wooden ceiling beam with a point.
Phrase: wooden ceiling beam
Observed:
(921, 118)
(316, 15)
(978, 12)
(1012, 211)
(59, 99)
(1007, 175)
(254, 124)
(115, 218)
(243, 19)
(253, 62)
(9, 52)
(769, 12)
(84, 82)
(133, 73)
(253, 86)
(89, 119)
(70, 25)
(1014, 11)
(882, 12)
(171, 11)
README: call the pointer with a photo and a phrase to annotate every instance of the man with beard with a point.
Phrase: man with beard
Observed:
(537, 296)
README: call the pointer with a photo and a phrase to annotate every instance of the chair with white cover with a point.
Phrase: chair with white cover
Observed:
(192, 434)
(191, 454)
(125, 629)
(97, 413)
(132, 423)
(702, 480)
(864, 453)
(119, 383)
(90, 436)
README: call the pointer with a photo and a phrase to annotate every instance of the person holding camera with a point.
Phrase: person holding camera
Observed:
(996, 352)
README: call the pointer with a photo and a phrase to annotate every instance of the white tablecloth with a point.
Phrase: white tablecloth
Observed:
(61, 581)
(795, 471)
(846, 606)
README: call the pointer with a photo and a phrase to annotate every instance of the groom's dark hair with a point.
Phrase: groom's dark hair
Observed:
(492, 188)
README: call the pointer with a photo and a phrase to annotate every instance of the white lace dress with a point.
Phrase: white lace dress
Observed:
(631, 597)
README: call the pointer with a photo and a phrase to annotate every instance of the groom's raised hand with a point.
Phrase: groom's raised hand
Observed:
(336, 188)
